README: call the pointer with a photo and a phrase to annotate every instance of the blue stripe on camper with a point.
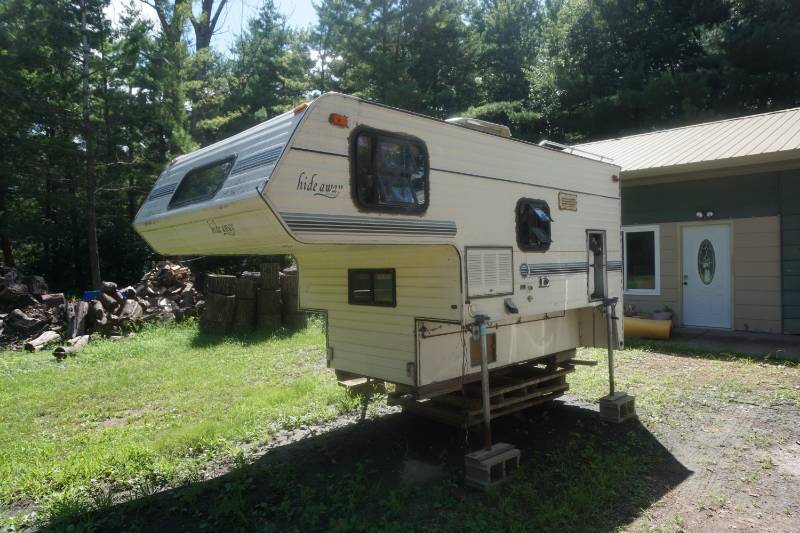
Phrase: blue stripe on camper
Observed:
(162, 191)
(260, 159)
(304, 222)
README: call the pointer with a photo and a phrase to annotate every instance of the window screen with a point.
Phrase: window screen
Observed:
(390, 172)
(533, 225)
(641, 267)
(201, 183)
(372, 287)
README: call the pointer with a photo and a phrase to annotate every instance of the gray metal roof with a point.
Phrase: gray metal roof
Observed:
(767, 137)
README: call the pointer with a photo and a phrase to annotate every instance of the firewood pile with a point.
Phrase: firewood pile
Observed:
(31, 317)
(263, 300)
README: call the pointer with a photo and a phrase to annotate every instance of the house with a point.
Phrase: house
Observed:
(711, 221)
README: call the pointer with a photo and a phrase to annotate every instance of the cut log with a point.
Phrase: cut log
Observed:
(269, 302)
(288, 283)
(218, 314)
(109, 287)
(53, 300)
(41, 341)
(268, 322)
(219, 284)
(188, 298)
(11, 292)
(295, 321)
(269, 275)
(130, 310)
(128, 292)
(244, 318)
(98, 313)
(108, 301)
(246, 288)
(76, 318)
(72, 347)
(17, 320)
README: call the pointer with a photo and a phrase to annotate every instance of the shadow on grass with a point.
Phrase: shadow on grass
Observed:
(577, 474)
(205, 340)
(687, 350)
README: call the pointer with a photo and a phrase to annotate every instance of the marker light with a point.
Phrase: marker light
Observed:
(338, 120)
(299, 107)
(615, 178)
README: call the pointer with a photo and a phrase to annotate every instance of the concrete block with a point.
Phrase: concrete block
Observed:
(617, 407)
(487, 468)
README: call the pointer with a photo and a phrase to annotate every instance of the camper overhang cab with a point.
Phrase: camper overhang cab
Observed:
(405, 228)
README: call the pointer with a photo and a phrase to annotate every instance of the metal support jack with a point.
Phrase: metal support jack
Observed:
(494, 463)
(617, 406)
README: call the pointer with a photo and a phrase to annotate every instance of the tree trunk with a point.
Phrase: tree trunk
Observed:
(8, 252)
(91, 176)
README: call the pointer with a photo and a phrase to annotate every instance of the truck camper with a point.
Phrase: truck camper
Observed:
(406, 229)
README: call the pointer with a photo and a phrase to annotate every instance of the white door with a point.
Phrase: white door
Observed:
(707, 276)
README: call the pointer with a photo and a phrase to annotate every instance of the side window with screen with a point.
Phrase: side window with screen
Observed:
(201, 183)
(390, 172)
(533, 225)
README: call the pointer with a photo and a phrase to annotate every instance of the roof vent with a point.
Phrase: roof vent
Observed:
(480, 125)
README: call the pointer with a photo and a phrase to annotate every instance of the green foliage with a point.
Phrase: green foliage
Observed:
(568, 70)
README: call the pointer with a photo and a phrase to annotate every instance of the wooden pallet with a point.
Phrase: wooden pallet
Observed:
(512, 390)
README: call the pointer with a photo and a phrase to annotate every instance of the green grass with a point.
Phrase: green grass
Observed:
(90, 443)
(151, 411)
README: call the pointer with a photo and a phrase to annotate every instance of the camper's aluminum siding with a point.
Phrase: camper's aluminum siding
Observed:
(380, 341)
(257, 152)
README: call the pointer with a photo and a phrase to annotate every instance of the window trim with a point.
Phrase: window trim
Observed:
(376, 133)
(537, 202)
(371, 271)
(182, 203)
(656, 230)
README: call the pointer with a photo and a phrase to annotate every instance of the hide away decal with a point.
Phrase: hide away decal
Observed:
(312, 185)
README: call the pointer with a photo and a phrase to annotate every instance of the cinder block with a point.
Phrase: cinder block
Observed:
(488, 468)
(617, 407)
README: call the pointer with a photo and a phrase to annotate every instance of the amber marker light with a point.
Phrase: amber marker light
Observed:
(299, 107)
(338, 120)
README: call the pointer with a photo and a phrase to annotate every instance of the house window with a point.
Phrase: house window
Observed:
(372, 287)
(202, 183)
(390, 172)
(642, 269)
(533, 225)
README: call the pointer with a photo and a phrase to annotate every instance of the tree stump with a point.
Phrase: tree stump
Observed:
(246, 288)
(268, 322)
(269, 276)
(218, 314)
(269, 302)
(295, 321)
(244, 317)
(219, 284)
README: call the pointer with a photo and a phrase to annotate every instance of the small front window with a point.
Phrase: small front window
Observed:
(390, 172)
(372, 287)
(533, 225)
(642, 262)
(202, 183)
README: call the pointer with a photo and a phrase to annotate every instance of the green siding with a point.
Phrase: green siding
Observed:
(790, 249)
(729, 197)
(752, 195)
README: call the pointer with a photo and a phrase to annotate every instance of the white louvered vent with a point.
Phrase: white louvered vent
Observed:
(489, 272)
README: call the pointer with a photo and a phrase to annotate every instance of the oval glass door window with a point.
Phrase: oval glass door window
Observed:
(706, 262)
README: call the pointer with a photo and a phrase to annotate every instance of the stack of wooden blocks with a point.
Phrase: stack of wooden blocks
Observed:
(264, 300)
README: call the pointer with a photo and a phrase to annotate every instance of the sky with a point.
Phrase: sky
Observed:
(299, 13)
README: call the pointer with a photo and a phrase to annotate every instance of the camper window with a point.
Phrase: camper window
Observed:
(533, 225)
(372, 287)
(390, 172)
(201, 183)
